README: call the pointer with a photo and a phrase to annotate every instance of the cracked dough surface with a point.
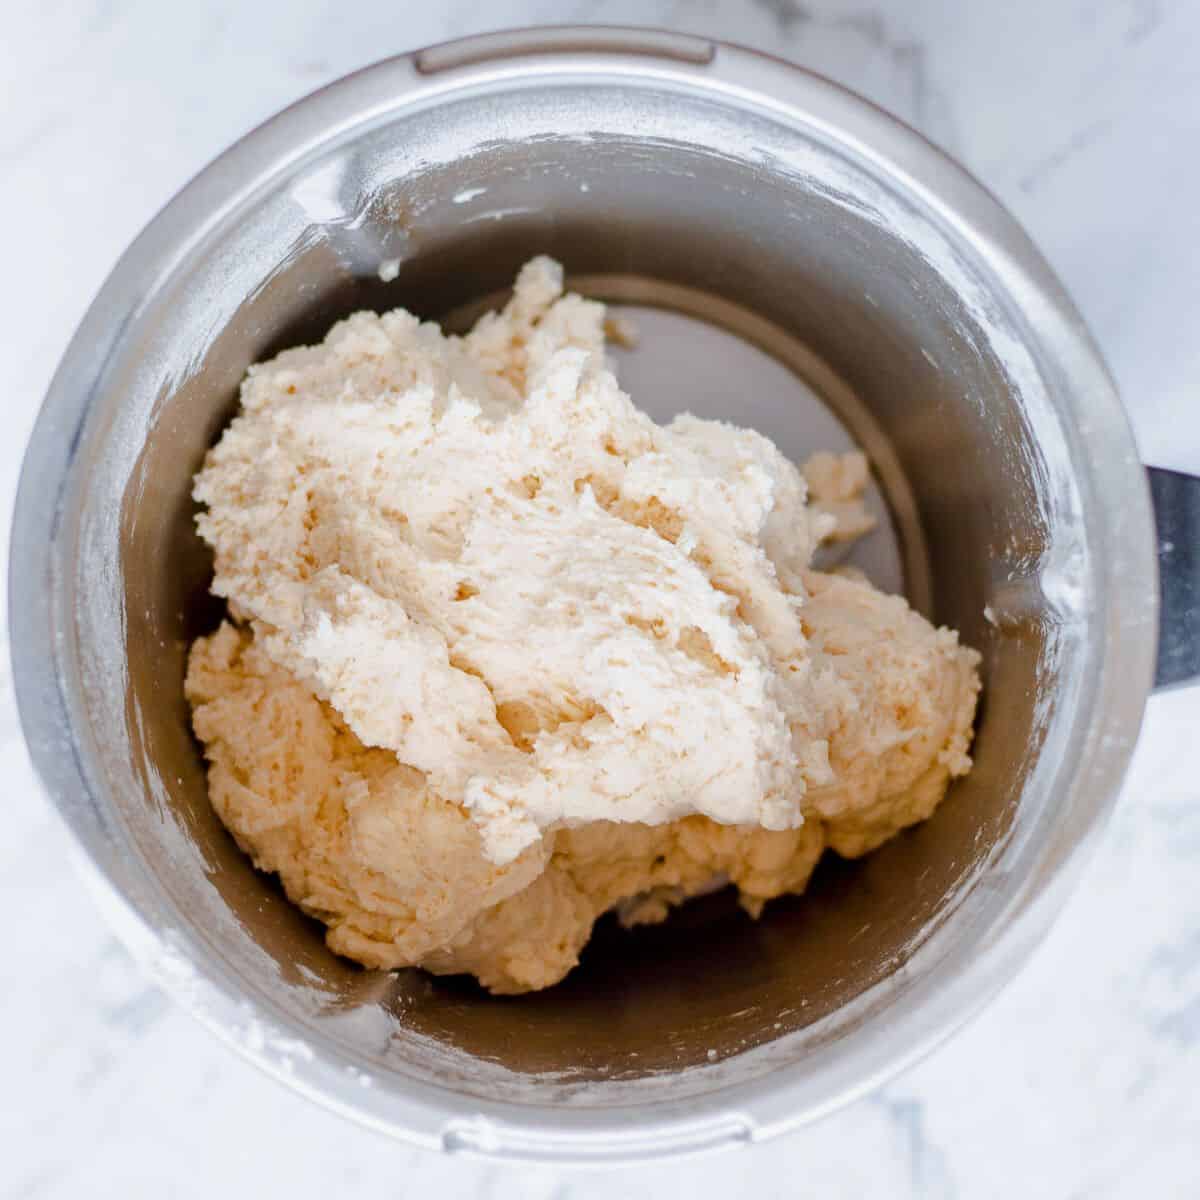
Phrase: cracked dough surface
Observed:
(505, 654)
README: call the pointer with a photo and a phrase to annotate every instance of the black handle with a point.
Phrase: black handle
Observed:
(1177, 515)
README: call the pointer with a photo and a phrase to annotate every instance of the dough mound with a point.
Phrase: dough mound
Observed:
(505, 654)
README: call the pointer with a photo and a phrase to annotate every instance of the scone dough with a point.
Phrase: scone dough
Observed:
(505, 654)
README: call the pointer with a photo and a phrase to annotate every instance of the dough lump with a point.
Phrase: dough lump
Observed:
(505, 654)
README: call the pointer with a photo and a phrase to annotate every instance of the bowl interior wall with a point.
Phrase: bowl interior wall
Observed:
(785, 226)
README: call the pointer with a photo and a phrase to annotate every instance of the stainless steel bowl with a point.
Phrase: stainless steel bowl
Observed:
(669, 171)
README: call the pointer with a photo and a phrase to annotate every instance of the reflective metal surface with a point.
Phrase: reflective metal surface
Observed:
(793, 215)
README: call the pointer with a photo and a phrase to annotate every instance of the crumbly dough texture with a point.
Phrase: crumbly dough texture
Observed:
(505, 654)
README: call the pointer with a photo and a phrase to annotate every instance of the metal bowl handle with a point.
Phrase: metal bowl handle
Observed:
(1177, 516)
(480, 1137)
(580, 39)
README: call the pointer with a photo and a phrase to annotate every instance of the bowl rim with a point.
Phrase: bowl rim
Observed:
(930, 1007)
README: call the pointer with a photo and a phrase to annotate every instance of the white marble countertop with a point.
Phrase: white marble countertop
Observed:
(1082, 1080)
